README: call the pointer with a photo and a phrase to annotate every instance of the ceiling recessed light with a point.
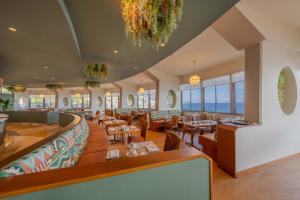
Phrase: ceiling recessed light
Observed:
(12, 29)
(136, 67)
(52, 77)
(45, 67)
(162, 44)
(115, 51)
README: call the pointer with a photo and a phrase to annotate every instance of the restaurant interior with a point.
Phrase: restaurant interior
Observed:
(132, 99)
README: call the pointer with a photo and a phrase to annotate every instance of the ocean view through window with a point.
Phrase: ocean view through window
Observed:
(217, 94)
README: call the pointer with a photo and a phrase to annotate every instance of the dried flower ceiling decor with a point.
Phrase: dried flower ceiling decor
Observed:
(16, 89)
(54, 86)
(97, 71)
(153, 20)
(92, 84)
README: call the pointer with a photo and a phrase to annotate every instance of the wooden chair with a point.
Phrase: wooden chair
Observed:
(144, 129)
(203, 116)
(129, 120)
(173, 124)
(172, 142)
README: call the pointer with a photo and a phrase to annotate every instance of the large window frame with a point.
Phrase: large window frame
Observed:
(231, 85)
(147, 100)
(112, 102)
(42, 101)
(81, 101)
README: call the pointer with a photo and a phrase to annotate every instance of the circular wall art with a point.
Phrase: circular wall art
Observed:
(66, 101)
(130, 100)
(100, 101)
(22, 102)
(171, 98)
(287, 90)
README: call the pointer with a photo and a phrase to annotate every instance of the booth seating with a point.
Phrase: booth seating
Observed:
(158, 118)
(63, 151)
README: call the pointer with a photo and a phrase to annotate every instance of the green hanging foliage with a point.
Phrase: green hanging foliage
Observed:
(54, 86)
(281, 87)
(153, 20)
(92, 84)
(97, 71)
(16, 89)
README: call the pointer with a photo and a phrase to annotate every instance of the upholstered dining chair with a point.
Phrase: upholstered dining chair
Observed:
(129, 120)
(203, 116)
(172, 142)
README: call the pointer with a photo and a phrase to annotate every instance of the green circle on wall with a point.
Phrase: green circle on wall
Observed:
(130, 100)
(287, 90)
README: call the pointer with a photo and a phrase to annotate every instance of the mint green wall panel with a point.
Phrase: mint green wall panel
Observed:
(188, 180)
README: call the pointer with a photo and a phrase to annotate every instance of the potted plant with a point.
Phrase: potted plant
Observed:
(6, 104)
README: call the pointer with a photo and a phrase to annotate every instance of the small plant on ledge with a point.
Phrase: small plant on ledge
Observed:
(97, 71)
(92, 84)
(54, 86)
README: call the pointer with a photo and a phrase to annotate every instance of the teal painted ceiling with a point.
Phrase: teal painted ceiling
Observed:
(65, 35)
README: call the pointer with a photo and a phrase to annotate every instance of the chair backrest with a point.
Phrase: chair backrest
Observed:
(210, 116)
(174, 120)
(144, 128)
(187, 118)
(203, 116)
(129, 120)
(172, 142)
(196, 118)
(97, 112)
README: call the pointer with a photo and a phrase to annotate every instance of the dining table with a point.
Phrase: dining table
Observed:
(103, 118)
(132, 150)
(201, 126)
(123, 131)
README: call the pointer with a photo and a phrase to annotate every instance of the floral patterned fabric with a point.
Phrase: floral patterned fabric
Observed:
(64, 151)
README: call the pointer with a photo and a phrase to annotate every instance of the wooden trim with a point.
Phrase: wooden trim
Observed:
(266, 165)
(31, 148)
(60, 177)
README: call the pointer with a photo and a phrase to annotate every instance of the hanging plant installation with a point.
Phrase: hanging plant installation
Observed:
(281, 87)
(16, 89)
(54, 86)
(92, 84)
(97, 71)
(153, 20)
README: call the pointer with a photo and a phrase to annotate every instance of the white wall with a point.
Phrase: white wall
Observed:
(167, 82)
(279, 135)
(128, 89)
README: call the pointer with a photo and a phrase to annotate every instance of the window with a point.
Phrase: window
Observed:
(80, 101)
(224, 94)
(36, 102)
(238, 84)
(210, 99)
(196, 99)
(41, 101)
(50, 101)
(141, 101)
(147, 100)
(186, 99)
(108, 103)
(223, 98)
(152, 99)
(112, 102)
(115, 102)
(191, 98)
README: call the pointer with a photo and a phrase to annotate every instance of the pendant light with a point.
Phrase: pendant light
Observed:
(194, 79)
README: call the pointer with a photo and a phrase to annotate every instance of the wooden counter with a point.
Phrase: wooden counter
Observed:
(226, 147)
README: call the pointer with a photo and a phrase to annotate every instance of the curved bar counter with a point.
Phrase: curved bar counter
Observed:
(62, 149)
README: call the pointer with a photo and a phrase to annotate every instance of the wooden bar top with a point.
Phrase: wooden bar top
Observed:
(59, 177)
